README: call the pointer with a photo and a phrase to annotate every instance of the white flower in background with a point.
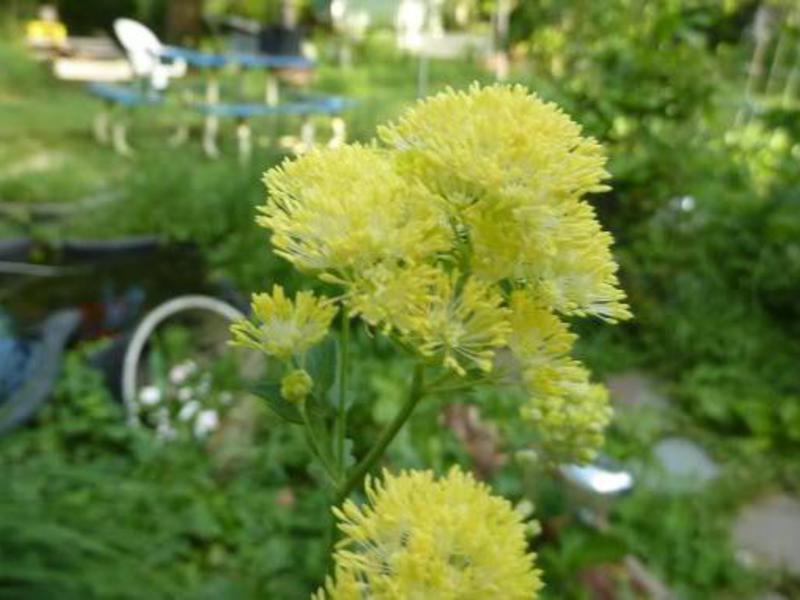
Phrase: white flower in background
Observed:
(204, 387)
(185, 394)
(206, 422)
(188, 410)
(150, 395)
(182, 371)
(164, 428)
(226, 398)
(338, 10)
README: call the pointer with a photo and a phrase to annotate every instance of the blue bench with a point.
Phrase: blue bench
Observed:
(124, 95)
(118, 95)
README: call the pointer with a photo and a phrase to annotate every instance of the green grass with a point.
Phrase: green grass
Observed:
(48, 154)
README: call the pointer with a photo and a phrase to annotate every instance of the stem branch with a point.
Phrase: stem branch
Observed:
(341, 417)
(316, 448)
(386, 437)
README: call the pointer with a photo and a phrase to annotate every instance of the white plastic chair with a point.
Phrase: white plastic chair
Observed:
(144, 49)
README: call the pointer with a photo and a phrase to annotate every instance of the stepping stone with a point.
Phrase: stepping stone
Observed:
(684, 465)
(768, 532)
(635, 389)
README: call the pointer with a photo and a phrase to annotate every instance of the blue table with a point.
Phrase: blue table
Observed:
(213, 108)
(194, 58)
(213, 62)
(210, 60)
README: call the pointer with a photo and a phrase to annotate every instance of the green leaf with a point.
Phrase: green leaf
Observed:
(321, 365)
(202, 523)
(349, 454)
(586, 548)
(271, 392)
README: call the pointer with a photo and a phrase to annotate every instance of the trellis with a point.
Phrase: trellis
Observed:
(773, 72)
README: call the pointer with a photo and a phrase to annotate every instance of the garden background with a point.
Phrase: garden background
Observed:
(704, 144)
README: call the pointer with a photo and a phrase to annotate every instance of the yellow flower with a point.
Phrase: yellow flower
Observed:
(513, 170)
(464, 324)
(466, 232)
(537, 335)
(387, 295)
(280, 327)
(296, 385)
(445, 539)
(580, 277)
(496, 139)
(344, 586)
(346, 209)
(508, 241)
(569, 411)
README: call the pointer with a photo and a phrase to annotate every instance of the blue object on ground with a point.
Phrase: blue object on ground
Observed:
(40, 371)
(15, 249)
(14, 359)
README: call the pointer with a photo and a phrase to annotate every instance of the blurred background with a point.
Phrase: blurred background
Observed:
(134, 462)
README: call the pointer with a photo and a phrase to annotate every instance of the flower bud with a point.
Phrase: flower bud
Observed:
(296, 385)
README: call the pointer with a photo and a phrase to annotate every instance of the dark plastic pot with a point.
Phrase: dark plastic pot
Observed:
(16, 249)
(280, 41)
(80, 250)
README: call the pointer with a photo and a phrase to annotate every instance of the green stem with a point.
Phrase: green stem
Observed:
(316, 448)
(452, 388)
(386, 437)
(344, 369)
(331, 539)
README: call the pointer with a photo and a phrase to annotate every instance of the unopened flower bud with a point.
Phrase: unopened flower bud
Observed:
(296, 385)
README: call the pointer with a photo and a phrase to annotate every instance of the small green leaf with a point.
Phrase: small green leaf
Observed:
(349, 454)
(271, 392)
(599, 548)
(321, 365)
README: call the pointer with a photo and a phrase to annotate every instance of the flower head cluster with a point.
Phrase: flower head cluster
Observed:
(282, 328)
(465, 232)
(345, 210)
(420, 537)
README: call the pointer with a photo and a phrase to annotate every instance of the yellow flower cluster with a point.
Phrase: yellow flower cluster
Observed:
(346, 210)
(570, 412)
(419, 537)
(282, 328)
(465, 231)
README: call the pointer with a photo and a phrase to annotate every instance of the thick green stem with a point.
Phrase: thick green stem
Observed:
(344, 369)
(386, 437)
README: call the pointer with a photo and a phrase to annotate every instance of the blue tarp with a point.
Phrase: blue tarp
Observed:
(15, 357)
